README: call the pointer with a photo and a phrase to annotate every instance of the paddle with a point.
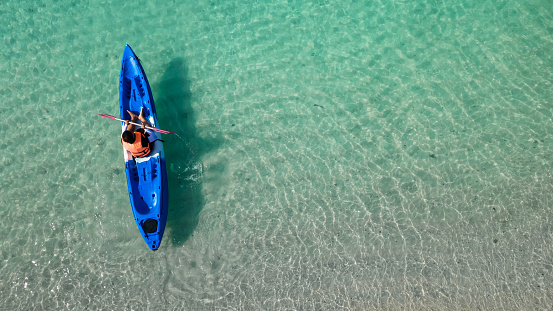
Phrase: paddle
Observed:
(148, 127)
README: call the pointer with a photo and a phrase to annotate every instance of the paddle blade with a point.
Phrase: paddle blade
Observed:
(160, 131)
(107, 116)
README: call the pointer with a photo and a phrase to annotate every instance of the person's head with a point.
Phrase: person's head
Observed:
(128, 137)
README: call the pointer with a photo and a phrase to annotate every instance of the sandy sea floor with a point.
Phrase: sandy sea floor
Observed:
(332, 155)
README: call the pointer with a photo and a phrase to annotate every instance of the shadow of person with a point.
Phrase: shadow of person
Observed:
(182, 153)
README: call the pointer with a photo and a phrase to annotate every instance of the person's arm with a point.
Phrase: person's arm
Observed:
(130, 127)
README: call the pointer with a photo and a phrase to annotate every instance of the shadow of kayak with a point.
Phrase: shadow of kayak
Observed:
(183, 154)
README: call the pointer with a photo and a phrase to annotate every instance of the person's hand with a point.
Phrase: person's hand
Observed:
(126, 122)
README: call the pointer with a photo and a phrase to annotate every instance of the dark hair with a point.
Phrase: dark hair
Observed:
(128, 137)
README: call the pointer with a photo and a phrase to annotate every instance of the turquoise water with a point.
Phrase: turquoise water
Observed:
(390, 155)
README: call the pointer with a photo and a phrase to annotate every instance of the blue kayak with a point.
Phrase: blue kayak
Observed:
(146, 176)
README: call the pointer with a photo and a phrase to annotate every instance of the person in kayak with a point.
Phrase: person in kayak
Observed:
(136, 142)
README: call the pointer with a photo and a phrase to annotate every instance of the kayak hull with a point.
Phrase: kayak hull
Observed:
(146, 176)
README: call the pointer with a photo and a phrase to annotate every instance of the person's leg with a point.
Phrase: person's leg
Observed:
(143, 119)
(130, 127)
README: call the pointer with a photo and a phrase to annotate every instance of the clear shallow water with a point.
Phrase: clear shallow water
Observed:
(376, 155)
